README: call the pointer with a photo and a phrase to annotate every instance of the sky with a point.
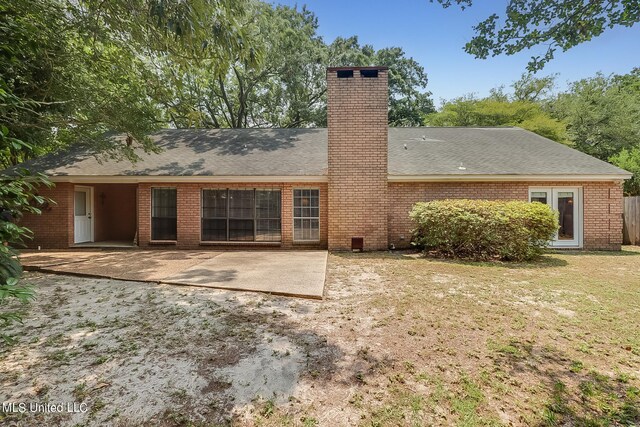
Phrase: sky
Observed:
(435, 37)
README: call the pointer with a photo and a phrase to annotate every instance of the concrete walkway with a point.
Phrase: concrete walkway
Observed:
(291, 273)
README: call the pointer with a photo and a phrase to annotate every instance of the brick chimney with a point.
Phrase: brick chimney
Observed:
(357, 99)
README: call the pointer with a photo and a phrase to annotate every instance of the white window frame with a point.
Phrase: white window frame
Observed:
(293, 213)
(579, 213)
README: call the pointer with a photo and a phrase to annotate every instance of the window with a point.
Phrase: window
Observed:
(241, 215)
(268, 215)
(163, 214)
(539, 196)
(566, 215)
(306, 215)
(214, 215)
(80, 203)
(567, 202)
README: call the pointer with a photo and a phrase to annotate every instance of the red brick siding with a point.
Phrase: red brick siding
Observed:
(189, 211)
(53, 229)
(602, 205)
(357, 132)
(602, 210)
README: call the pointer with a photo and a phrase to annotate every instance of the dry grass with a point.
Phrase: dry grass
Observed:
(400, 340)
(555, 342)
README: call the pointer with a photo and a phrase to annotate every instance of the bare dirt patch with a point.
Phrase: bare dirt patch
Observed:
(400, 340)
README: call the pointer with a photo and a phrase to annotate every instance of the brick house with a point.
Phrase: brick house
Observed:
(346, 186)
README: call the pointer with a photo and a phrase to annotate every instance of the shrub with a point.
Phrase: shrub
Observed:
(482, 229)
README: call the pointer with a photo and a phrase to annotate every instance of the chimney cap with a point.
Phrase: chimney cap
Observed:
(379, 68)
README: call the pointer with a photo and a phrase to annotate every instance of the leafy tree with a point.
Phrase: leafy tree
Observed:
(286, 87)
(602, 113)
(468, 111)
(533, 89)
(599, 116)
(629, 160)
(84, 68)
(555, 24)
(281, 89)
(17, 196)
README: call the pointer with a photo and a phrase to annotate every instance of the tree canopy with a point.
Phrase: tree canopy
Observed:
(287, 87)
(70, 71)
(526, 108)
(526, 24)
(602, 113)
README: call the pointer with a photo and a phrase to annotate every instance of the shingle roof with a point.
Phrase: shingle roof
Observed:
(486, 151)
(303, 152)
(217, 152)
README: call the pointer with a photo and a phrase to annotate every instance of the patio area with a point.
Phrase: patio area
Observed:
(289, 273)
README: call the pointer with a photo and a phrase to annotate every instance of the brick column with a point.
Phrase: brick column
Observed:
(144, 214)
(188, 215)
(357, 100)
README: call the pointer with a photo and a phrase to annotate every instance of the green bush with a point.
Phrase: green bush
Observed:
(482, 229)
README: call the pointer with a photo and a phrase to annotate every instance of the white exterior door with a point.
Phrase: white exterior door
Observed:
(82, 218)
(567, 201)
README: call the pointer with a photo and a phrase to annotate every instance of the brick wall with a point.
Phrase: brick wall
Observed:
(189, 211)
(53, 229)
(602, 205)
(114, 212)
(357, 132)
(602, 210)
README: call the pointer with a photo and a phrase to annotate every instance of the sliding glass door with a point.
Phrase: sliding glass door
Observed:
(567, 202)
(241, 215)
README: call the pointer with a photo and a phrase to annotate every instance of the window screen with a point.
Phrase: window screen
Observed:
(241, 215)
(163, 214)
(306, 215)
(214, 215)
(268, 216)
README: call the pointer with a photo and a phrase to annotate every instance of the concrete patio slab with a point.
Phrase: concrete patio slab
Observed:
(292, 273)
(296, 273)
(124, 265)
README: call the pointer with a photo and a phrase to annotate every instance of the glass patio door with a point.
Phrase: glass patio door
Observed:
(566, 201)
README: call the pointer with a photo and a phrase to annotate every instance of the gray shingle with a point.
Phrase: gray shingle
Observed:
(486, 151)
(303, 152)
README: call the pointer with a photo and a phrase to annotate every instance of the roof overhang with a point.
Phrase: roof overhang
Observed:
(106, 179)
(504, 178)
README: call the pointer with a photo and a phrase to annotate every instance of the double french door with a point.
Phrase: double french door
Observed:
(567, 201)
